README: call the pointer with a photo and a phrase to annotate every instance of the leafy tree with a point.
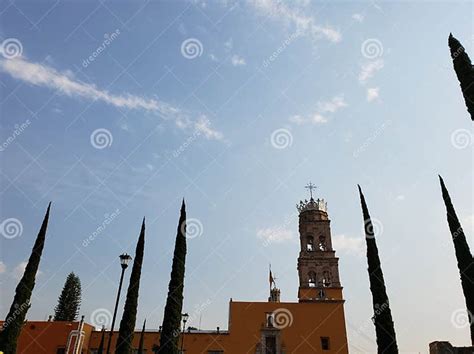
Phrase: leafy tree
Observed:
(174, 303)
(69, 301)
(127, 324)
(463, 255)
(384, 329)
(142, 339)
(464, 72)
(21, 301)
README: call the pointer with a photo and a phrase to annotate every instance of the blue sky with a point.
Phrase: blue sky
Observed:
(235, 106)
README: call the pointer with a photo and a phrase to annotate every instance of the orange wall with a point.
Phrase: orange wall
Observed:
(305, 324)
(38, 337)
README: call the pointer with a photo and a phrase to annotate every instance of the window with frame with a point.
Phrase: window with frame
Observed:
(325, 343)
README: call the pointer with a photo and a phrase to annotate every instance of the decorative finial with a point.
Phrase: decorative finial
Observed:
(311, 186)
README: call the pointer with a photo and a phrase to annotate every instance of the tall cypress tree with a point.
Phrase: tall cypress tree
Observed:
(69, 301)
(174, 303)
(127, 324)
(384, 329)
(100, 350)
(463, 255)
(464, 72)
(142, 340)
(21, 302)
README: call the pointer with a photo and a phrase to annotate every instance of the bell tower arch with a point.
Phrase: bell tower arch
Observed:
(318, 269)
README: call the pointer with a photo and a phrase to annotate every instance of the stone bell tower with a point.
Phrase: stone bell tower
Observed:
(317, 262)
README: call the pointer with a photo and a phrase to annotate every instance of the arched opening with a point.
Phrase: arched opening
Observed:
(326, 278)
(309, 243)
(312, 279)
(322, 243)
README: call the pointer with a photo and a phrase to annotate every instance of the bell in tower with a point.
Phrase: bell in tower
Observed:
(317, 262)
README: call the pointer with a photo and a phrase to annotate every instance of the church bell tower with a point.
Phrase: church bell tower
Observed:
(317, 262)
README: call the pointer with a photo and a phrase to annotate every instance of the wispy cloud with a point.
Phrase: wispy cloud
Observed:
(348, 245)
(332, 105)
(369, 69)
(275, 235)
(203, 126)
(237, 60)
(323, 108)
(65, 82)
(3, 267)
(358, 17)
(372, 94)
(297, 18)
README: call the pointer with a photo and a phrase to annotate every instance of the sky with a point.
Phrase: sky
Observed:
(116, 110)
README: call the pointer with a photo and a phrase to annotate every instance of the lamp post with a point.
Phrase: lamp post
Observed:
(185, 317)
(124, 260)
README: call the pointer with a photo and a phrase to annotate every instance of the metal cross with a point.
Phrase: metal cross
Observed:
(311, 186)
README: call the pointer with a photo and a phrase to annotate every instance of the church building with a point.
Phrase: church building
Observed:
(313, 324)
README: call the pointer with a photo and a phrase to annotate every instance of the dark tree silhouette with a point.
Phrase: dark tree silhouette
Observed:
(463, 255)
(384, 329)
(127, 324)
(100, 350)
(69, 301)
(21, 301)
(464, 72)
(142, 340)
(174, 303)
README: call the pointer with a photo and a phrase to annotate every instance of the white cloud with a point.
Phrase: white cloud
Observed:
(275, 235)
(19, 270)
(3, 267)
(45, 76)
(400, 197)
(229, 44)
(237, 61)
(369, 69)
(203, 125)
(302, 22)
(319, 117)
(333, 105)
(358, 17)
(348, 245)
(372, 93)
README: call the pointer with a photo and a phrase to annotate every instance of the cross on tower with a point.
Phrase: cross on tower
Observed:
(311, 186)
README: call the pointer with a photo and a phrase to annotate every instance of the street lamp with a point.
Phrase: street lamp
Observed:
(124, 260)
(184, 317)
